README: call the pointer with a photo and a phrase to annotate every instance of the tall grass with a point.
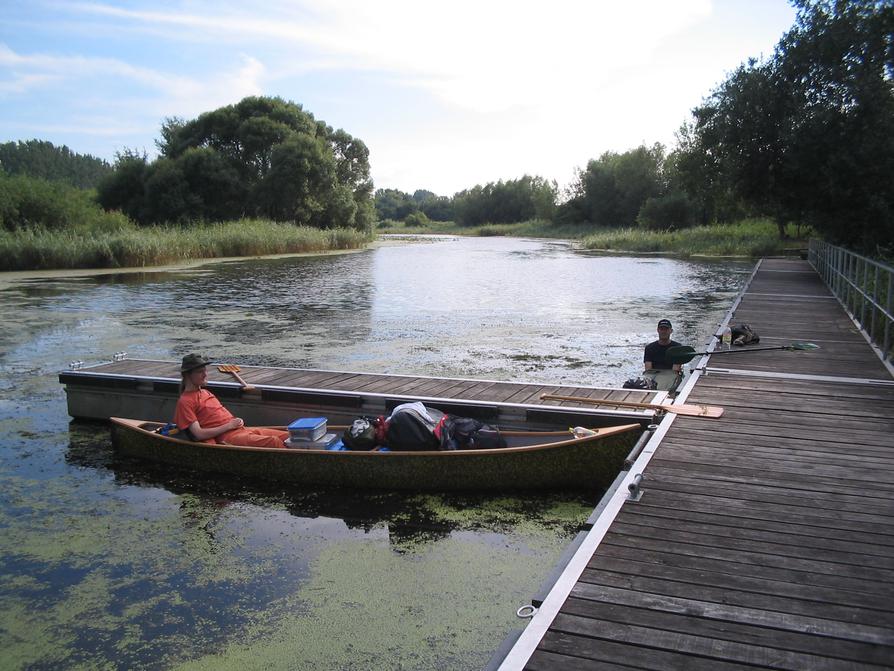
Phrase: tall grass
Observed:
(750, 237)
(533, 228)
(38, 248)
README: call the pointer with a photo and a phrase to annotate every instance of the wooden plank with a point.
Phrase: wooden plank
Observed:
(840, 617)
(634, 656)
(780, 545)
(730, 612)
(832, 650)
(741, 535)
(697, 647)
(762, 489)
(729, 505)
(767, 574)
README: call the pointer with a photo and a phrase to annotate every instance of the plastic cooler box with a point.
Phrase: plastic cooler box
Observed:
(308, 428)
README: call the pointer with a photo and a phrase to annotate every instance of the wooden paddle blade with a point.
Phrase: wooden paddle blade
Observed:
(228, 368)
(690, 410)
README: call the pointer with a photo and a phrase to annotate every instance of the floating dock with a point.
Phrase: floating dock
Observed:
(146, 389)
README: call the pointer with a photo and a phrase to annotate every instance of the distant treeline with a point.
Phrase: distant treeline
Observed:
(805, 137)
(37, 158)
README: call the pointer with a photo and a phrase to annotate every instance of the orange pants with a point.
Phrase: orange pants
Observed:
(254, 437)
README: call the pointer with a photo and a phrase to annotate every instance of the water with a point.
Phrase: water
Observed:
(111, 564)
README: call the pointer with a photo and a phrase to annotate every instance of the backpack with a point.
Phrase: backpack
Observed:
(465, 433)
(361, 435)
(640, 383)
(743, 334)
(408, 432)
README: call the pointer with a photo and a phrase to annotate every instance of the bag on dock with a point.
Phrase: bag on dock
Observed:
(640, 383)
(743, 334)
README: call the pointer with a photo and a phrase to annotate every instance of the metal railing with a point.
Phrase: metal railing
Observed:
(865, 288)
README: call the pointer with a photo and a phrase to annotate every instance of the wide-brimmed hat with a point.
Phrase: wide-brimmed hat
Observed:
(193, 361)
(665, 323)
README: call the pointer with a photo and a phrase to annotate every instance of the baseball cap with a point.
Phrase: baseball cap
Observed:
(664, 323)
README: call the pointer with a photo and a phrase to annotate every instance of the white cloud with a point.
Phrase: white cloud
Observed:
(446, 95)
(483, 56)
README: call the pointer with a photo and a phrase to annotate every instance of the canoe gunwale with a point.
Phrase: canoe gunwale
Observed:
(137, 425)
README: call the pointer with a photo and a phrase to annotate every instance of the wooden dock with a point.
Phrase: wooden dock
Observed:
(763, 539)
(146, 389)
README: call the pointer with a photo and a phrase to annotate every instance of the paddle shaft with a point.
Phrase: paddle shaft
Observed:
(686, 357)
(233, 370)
(712, 411)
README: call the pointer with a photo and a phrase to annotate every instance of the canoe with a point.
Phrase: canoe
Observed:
(532, 460)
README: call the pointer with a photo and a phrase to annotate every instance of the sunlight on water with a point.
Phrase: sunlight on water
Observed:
(110, 564)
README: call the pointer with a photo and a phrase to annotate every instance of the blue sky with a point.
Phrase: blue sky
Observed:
(445, 95)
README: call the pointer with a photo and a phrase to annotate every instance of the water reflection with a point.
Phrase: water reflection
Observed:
(111, 563)
(409, 521)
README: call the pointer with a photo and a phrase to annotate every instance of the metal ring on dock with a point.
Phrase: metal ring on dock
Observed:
(526, 611)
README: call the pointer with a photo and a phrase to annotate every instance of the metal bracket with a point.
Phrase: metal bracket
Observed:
(635, 492)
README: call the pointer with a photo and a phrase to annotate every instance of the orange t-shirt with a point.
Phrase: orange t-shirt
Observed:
(203, 407)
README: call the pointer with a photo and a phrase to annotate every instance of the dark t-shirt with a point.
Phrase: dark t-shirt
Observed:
(655, 353)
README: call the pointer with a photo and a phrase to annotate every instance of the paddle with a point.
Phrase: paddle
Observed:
(233, 370)
(685, 353)
(692, 410)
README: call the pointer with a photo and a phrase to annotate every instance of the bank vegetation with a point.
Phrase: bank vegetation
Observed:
(800, 143)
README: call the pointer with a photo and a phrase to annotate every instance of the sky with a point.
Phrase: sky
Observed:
(446, 95)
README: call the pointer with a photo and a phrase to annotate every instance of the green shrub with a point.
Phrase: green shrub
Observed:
(31, 203)
(665, 213)
(417, 218)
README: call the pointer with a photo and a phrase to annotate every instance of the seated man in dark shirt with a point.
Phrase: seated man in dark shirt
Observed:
(655, 351)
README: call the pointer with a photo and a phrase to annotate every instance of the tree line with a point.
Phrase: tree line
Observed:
(41, 159)
(806, 137)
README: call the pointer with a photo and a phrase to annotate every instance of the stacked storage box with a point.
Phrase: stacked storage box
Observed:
(309, 433)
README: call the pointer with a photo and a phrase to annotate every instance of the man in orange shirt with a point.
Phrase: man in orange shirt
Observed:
(200, 411)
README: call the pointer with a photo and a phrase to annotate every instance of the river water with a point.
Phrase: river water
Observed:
(111, 564)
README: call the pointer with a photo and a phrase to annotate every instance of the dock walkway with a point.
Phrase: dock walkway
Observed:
(763, 539)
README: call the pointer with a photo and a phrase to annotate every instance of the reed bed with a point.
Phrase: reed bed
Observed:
(751, 237)
(39, 249)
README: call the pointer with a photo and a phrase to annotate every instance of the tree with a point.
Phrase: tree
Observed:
(612, 189)
(808, 135)
(505, 202)
(125, 188)
(260, 157)
(393, 204)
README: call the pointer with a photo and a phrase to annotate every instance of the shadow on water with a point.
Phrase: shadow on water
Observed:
(409, 519)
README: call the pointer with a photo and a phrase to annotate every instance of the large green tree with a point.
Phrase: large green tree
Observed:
(506, 202)
(262, 157)
(808, 135)
(613, 188)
